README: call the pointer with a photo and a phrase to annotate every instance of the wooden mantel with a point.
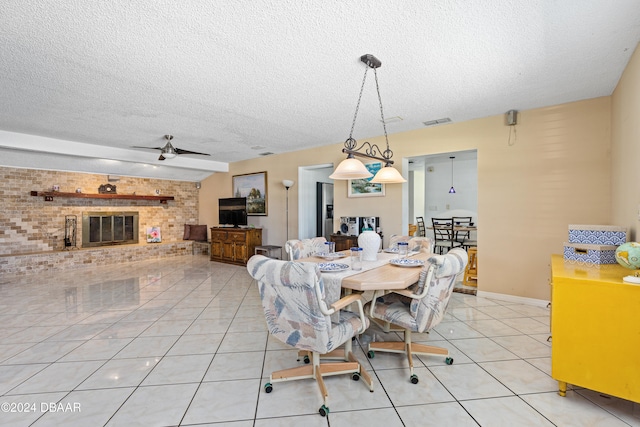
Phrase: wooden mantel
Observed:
(49, 195)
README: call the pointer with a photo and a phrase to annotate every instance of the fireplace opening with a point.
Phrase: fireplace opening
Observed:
(109, 228)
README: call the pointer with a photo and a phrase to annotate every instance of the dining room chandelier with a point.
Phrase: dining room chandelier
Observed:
(352, 168)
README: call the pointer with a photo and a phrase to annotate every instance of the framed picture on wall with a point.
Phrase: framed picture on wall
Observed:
(253, 186)
(363, 187)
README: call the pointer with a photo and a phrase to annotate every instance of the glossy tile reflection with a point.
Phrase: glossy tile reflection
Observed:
(183, 342)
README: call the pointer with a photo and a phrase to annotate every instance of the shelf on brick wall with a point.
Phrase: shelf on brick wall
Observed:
(49, 195)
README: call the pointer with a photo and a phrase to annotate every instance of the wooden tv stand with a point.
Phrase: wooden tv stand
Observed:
(234, 245)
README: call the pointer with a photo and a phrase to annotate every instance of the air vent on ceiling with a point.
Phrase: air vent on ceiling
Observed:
(437, 122)
(266, 153)
(394, 119)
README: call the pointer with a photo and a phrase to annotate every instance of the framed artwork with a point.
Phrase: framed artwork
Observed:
(253, 186)
(153, 235)
(362, 187)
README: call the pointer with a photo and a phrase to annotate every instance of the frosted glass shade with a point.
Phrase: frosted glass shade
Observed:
(287, 183)
(351, 168)
(388, 175)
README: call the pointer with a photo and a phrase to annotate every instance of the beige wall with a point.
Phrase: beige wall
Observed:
(556, 172)
(625, 121)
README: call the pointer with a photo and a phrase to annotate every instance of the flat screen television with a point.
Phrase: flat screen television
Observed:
(232, 211)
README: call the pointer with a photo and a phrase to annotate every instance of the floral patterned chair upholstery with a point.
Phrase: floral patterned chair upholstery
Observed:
(418, 308)
(414, 243)
(293, 300)
(304, 248)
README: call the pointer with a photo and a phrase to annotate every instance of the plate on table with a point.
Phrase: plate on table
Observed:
(333, 255)
(332, 267)
(391, 250)
(407, 262)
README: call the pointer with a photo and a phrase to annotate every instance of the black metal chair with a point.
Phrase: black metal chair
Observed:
(464, 237)
(444, 235)
(422, 231)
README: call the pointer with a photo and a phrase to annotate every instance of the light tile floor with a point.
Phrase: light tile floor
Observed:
(182, 341)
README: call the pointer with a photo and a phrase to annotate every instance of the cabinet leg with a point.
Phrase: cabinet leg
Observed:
(562, 388)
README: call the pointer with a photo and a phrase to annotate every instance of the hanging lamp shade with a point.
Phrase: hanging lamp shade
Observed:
(388, 175)
(351, 168)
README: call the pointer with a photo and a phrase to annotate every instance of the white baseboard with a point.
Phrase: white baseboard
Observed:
(513, 298)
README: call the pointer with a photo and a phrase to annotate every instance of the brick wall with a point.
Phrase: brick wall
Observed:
(29, 224)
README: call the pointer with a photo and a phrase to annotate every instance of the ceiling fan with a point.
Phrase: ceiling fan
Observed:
(169, 152)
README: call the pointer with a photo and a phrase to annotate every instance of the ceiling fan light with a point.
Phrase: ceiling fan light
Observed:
(168, 152)
(388, 175)
(351, 168)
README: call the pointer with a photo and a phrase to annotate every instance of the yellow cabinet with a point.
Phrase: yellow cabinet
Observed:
(595, 328)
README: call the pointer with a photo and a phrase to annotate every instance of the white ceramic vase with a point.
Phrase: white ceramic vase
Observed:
(369, 241)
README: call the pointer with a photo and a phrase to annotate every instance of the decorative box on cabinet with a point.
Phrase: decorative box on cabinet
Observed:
(595, 328)
(234, 245)
(344, 242)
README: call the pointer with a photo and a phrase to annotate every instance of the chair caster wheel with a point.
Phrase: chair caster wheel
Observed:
(324, 411)
(306, 360)
(449, 360)
(355, 376)
(414, 379)
(371, 354)
(268, 388)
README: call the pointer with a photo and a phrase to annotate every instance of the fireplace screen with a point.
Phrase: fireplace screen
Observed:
(109, 228)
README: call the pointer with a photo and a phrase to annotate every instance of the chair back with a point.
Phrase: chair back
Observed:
(397, 238)
(304, 248)
(422, 231)
(443, 233)
(422, 244)
(464, 221)
(292, 294)
(439, 275)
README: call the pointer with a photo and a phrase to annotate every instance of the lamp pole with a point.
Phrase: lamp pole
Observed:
(287, 184)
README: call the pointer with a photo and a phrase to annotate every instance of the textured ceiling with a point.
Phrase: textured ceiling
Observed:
(236, 78)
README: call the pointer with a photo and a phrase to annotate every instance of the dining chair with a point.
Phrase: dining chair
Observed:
(444, 235)
(304, 248)
(422, 231)
(293, 301)
(418, 308)
(464, 237)
(397, 238)
(421, 244)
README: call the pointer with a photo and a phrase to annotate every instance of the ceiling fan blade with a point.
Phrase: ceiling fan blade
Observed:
(147, 148)
(181, 151)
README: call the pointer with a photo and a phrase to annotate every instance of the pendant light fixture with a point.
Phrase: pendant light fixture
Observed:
(452, 190)
(352, 168)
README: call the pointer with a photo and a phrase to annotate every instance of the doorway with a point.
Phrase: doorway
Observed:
(430, 179)
(309, 177)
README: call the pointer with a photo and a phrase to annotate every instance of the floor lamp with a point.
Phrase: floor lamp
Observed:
(287, 184)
